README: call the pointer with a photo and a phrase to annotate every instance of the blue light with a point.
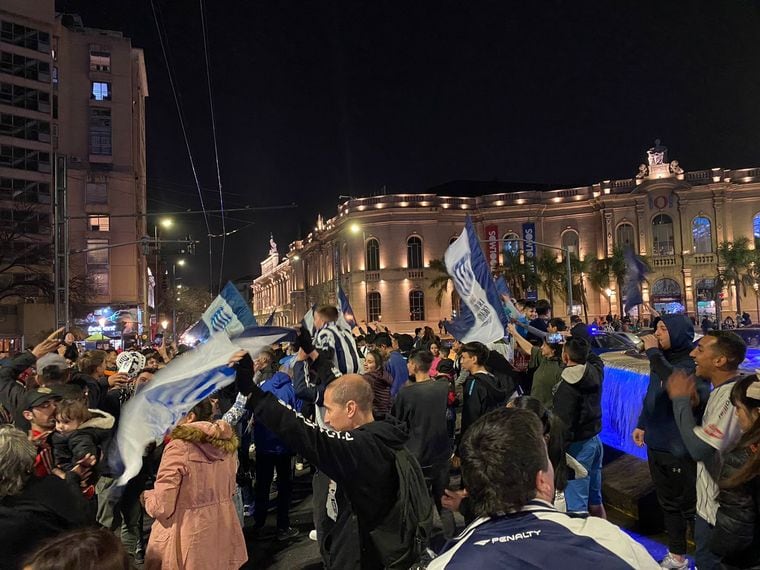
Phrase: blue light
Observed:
(623, 394)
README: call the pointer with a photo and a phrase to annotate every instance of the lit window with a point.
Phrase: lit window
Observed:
(100, 60)
(662, 235)
(414, 253)
(416, 306)
(373, 255)
(701, 233)
(99, 223)
(101, 91)
(756, 230)
(97, 252)
(374, 306)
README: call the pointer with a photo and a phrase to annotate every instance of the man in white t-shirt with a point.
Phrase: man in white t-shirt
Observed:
(717, 356)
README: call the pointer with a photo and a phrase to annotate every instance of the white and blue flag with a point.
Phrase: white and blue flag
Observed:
(228, 312)
(177, 388)
(345, 309)
(482, 318)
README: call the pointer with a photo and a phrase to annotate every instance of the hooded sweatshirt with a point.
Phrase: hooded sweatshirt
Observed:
(362, 461)
(578, 399)
(482, 393)
(282, 387)
(656, 418)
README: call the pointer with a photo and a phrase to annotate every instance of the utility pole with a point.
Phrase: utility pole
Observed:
(60, 244)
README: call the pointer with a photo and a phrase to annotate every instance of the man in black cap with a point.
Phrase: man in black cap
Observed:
(39, 407)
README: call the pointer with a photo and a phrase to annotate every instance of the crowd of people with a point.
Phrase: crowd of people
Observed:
(405, 436)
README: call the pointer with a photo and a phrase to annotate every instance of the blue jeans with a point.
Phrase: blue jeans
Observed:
(704, 557)
(580, 493)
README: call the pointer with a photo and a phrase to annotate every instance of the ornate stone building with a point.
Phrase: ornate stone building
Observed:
(378, 249)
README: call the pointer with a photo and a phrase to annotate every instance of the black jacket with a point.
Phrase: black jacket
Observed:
(656, 418)
(362, 461)
(97, 389)
(45, 508)
(12, 391)
(482, 393)
(93, 436)
(578, 399)
(736, 535)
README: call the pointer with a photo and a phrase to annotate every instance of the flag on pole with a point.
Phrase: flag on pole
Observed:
(308, 320)
(345, 309)
(228, 312)
(634, 276)
(472, 279)
(176, 388)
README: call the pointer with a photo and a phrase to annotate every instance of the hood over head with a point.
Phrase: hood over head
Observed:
(214, 440)
(681, 331)
(99, 419)
(279, 379)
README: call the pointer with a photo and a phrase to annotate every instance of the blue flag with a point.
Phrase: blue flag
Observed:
(345, 308)
(481, 316)
(180, 385)
(634, 277)
(228, 312)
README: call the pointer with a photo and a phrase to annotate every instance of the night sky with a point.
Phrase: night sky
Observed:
(318, 99)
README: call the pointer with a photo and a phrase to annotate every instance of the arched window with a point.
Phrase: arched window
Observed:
(414, 253)
(511, 247)
(756, 229)
(701, 233)
(416, 306)
(373, 255)
(662, 235)
(373, 306)
(570, 242)
(625, 236)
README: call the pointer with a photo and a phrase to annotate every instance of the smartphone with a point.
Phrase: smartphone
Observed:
(158, 339)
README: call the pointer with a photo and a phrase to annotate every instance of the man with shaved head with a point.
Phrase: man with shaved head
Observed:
(359, 456)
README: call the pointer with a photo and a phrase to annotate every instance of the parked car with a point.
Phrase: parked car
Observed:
(602, 341)
(632, 338)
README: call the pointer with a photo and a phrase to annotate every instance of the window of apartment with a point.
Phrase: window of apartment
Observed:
(99, 222)
(374, 306)
(100, 131)
(414, 253)
(26, 67)
(416, 306)
(97, 252)
(373, 255)
(24, 159)
(100, 60)
(19, 35)
(99, 281)
(701, 233)
(662, 235)
(24, 190)
(101, 91)
(24, 128)
(95, 193)
(24, 97)
(625, 236)
(511, 249)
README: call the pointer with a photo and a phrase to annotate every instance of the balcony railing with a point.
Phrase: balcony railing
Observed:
(373, 276)
(664, 261)
(704, 259)
(416, 274)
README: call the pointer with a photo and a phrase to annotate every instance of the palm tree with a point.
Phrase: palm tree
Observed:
(735, 258)
(440, 283)
(616, 266)
(599, 276)
(552, 274)
(513, 270)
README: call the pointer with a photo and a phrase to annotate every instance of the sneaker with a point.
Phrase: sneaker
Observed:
(299, 466)
(247, 510)
(139, 557)
(313, 535)
(287, 533)
(670, 561)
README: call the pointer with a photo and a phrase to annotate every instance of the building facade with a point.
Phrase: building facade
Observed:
(72, 108)
(378, 249)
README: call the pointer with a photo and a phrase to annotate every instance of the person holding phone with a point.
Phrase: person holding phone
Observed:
(545, 360)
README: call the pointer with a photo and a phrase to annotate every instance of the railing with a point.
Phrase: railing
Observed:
(416, 274)
(373, 276)
(704, 259)
(664, 261)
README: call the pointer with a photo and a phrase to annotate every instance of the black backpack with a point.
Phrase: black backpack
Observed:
(403, 535)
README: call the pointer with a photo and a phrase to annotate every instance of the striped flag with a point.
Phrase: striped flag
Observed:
(176, 388)
(228, 312)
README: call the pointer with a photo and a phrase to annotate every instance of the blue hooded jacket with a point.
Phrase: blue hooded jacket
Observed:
(656, 418)
(281, 387)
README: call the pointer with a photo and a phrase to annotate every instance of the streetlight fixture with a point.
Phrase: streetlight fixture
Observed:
(181, 262)
(166, 222)
(164, 324)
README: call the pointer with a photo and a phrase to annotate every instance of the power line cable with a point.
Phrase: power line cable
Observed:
(216, 147)
(184, 133)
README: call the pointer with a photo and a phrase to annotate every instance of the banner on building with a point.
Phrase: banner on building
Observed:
(529, 252)
(492, 240)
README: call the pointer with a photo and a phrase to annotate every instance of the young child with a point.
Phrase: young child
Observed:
(79, 431)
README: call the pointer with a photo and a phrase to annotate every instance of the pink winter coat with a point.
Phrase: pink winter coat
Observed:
(196, 525)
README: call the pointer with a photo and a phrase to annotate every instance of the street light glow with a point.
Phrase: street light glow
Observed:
(355, 228)
(166, 222)
(180, 262)
(609, 292)
(164, 324)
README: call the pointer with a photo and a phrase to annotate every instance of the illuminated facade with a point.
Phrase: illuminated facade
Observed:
(378, 249)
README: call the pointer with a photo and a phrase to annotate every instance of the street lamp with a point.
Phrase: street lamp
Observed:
(166, 222)
(181, 262)
(164, 324)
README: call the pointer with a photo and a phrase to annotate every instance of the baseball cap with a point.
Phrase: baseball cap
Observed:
(39, 396)
(445, 366)
(51, 359)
